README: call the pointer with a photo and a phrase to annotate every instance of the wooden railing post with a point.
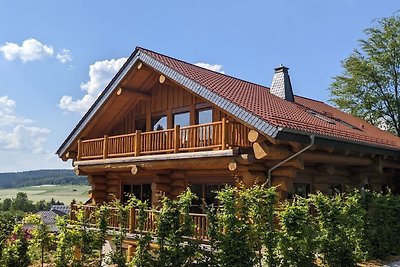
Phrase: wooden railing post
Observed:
(137, 143)
(177, 134)
(132, 220)
(72, 210)
(105, 147)
(78, 157)
(224, 133)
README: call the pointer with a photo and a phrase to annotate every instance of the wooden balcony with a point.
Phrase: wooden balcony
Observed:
(210, 136)
(199, 220)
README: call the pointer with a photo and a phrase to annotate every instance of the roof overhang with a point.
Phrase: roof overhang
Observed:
(337, 143)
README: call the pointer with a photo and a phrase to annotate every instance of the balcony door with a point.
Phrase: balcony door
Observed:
(205, 133)
(159, 123)
(206, 195)
(140, 191)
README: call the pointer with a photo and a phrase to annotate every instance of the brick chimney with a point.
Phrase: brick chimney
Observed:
(281, 86)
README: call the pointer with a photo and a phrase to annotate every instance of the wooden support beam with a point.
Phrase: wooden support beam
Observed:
(257, 167)
(112, 181)
(328, 149)
(176, 191)
(391, 164)
(245, 159)
(161, 79)
(134, 169)
(133, 92)
(186, 164)
(179, 183)
(377, 164)
(334, 159)
(232, 166)
(99, 187)
(327, 168)
(115, 167)
(71, 155)
(158, 178)
(155, 187)
(285, 171)
(113, 189)
(342, 171)
(264, 151)
(296, 162)
(250, 178)
(99, 195)
(255, 136)
(368, 171)
(77, 171)
(295, 146)
(284, 185)
(178, 175)
(99, 179)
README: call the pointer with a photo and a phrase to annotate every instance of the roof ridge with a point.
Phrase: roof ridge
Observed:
(213, 71)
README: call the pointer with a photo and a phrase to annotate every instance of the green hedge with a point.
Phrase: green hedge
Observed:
(249, 228)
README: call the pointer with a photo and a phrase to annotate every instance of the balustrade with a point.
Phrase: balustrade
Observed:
(210, 136)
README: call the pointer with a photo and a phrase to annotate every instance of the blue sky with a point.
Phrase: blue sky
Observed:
(56, 56)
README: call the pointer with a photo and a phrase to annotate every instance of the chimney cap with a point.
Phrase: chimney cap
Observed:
(281, 67)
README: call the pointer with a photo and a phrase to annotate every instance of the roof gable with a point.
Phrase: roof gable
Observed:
(250, 103)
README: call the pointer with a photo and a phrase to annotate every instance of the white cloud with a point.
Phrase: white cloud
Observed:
(22, 146)
(30, 50)
(19, 137)
(100, 74)
(215, 67)
(7, 113)
(24, 138)
(6, 104)
(64, 55)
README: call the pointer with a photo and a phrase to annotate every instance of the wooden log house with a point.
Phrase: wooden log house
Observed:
(162, 125)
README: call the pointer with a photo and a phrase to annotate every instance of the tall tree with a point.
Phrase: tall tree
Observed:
(369, 85)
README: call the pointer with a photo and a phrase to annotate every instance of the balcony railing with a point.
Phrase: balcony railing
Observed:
(199, 220)
(210, 136)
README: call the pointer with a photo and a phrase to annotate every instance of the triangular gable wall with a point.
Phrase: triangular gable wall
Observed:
(140, 56)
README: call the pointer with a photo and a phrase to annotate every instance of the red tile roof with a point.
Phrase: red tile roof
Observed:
(297, 116)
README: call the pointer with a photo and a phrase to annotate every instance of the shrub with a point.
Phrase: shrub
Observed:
(382, 226)
(297, 245)
(339, 220)
(16, 251)
(175, 228)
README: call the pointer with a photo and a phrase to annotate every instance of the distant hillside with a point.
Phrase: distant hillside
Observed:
(40, 177)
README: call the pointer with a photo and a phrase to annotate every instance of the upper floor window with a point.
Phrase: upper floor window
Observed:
(182, 119)
(159, 123)
(204, 116)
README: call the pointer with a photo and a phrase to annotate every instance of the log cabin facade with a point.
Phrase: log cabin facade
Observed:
(162, 125)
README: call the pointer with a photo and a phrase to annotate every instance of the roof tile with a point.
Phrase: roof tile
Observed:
(258, 100)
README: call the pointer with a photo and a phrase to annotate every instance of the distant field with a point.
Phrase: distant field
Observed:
(63, 193)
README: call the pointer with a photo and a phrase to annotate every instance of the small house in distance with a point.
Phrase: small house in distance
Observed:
(163, 124)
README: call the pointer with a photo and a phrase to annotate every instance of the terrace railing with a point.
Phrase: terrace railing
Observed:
(210, 136)
(199, 220)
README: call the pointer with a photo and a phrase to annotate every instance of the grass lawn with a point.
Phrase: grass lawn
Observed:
(63, 193)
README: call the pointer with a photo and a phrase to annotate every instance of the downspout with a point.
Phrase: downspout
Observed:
(312, 137)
